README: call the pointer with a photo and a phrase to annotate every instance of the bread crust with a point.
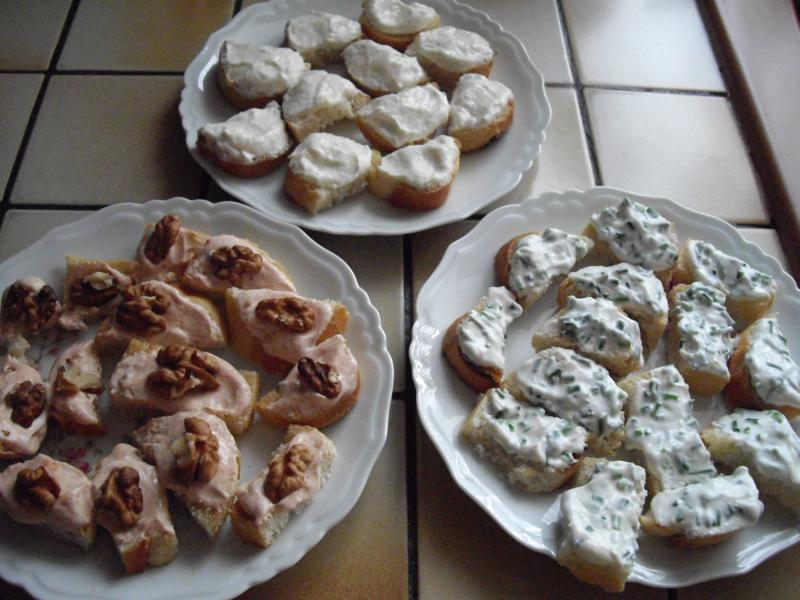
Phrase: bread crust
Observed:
(398, 41)
(475, 139)
(259, 168)
(651, 527)
(449, 79)
(233, 96)
(382, 144)
(478, 378)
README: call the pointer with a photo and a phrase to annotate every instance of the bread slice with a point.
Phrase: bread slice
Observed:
(23, 409)
(142, 530)
(250, 144)
(418, 177)
(763, 373)
(325, 169)
(75, 387)
(275, 346)
(528, 264)
(480, 110)
(534, 452)
(597, 329)
(705, 513)
(396, 23)
(749, 293)
(635, 290)
(207, 493)
(319, 100)
(637, 234)
(600, 522)
(447, 53)
(264, 505)
(700, 337)
(320, 37)
(133, 393)
(765, 443)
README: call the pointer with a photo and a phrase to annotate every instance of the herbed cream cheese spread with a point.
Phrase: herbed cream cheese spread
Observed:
(734, 277)
(477, 102)
(380, 68)
(250, 136)
(425, 166)
(318, 30)
(331, 161)
(774, 376)
(631, 287)
(261, 71)
(452, 49)
(482, 332)
(396, 17)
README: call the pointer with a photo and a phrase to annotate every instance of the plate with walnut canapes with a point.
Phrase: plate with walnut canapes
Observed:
(487, 169)
(149, 395)
(522, 437)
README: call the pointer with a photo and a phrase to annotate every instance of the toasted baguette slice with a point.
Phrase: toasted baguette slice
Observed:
(447, 53)
(23, 409)
(763, 373)
(325, 169)
(597, 329)
(162, 441)
(418, 177)
(617, 241)
(250, 144)
(147, 538)
(574, 388)
(700, 337)
(379, 69)
(533, 451)
(530, 263)
(634, 289)
(265, 341)
(599, 539)
(765, 443)
(749, 293)
(262, 509)
(166, 248)
(320, 37)
(474, 343)
(75, 387)
(706, 513)
(134, 390)
(480, 110)
(396, 23)
(180, 319)
(70, 516)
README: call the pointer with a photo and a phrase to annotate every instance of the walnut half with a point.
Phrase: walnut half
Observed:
(183, 370)
(36, 489)
(232, 263)
(287, 472)
(96, 289)
(320, 377)
(34, 310)
(142, 309)
(121, 497)
(163, 237)
(288, 312)
(27, 402)
(196, 453)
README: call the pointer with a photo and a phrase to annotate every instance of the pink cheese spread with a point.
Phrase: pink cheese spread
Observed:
(79, 361)
(23, 441)
(11, 332)
(74, 316)
(173, 265)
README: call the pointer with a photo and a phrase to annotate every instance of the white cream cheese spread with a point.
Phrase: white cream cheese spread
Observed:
(320, 31)
(477, 102)
(250, 136)
(452, 49)
(260, 71)
(734, 277)
(396, 17)
(774, 376)
(319, 90)
(425, 166)
(633, 288)
(382, 69)
(482, 332)
(331, 161)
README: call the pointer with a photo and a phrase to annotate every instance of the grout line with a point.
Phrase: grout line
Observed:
(656, 90)
(112, 72)
(767, 226)
(672, 594)
(237, 6)
(411, 426)
(582, 106)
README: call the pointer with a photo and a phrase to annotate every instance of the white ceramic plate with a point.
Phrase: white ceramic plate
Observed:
(225, 567)
(443, 400)
(484, 176)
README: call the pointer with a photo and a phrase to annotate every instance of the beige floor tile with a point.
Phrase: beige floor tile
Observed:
(427, 249)
(767, 240)
(107, 139)
(465, 555)
(564, 161)
(21, 228)
(647, 43)
(109, 35)
(685, 147)
(17, 96)
(365, 556)
(29, 31)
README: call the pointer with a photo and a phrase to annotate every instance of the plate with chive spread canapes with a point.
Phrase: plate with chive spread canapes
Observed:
(685, 388)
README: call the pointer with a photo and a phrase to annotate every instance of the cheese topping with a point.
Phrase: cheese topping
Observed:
(331, 161)
(482, 332)
(717, 506)
(315, 31)
(705, 327)
(319, 91)
(81, 365)
(250, 136)
(261, 71)
(537, 259)
(630, 287)
(10, 331)
(734, 277)
(408, 116)
(74, 317)
(637, 234)
(425, 166)
(774, 376)
(382, 69)
(13, 436)
(452, 49)
(477, 102)
(574, 388)
(172, 266)
(528, 433)
(600, 520)
(394, 16)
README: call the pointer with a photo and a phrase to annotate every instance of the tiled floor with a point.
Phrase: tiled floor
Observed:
(638, 103)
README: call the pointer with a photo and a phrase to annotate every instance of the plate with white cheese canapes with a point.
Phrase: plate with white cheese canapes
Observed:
(181, 413)
(615, 386)
(352, 119)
